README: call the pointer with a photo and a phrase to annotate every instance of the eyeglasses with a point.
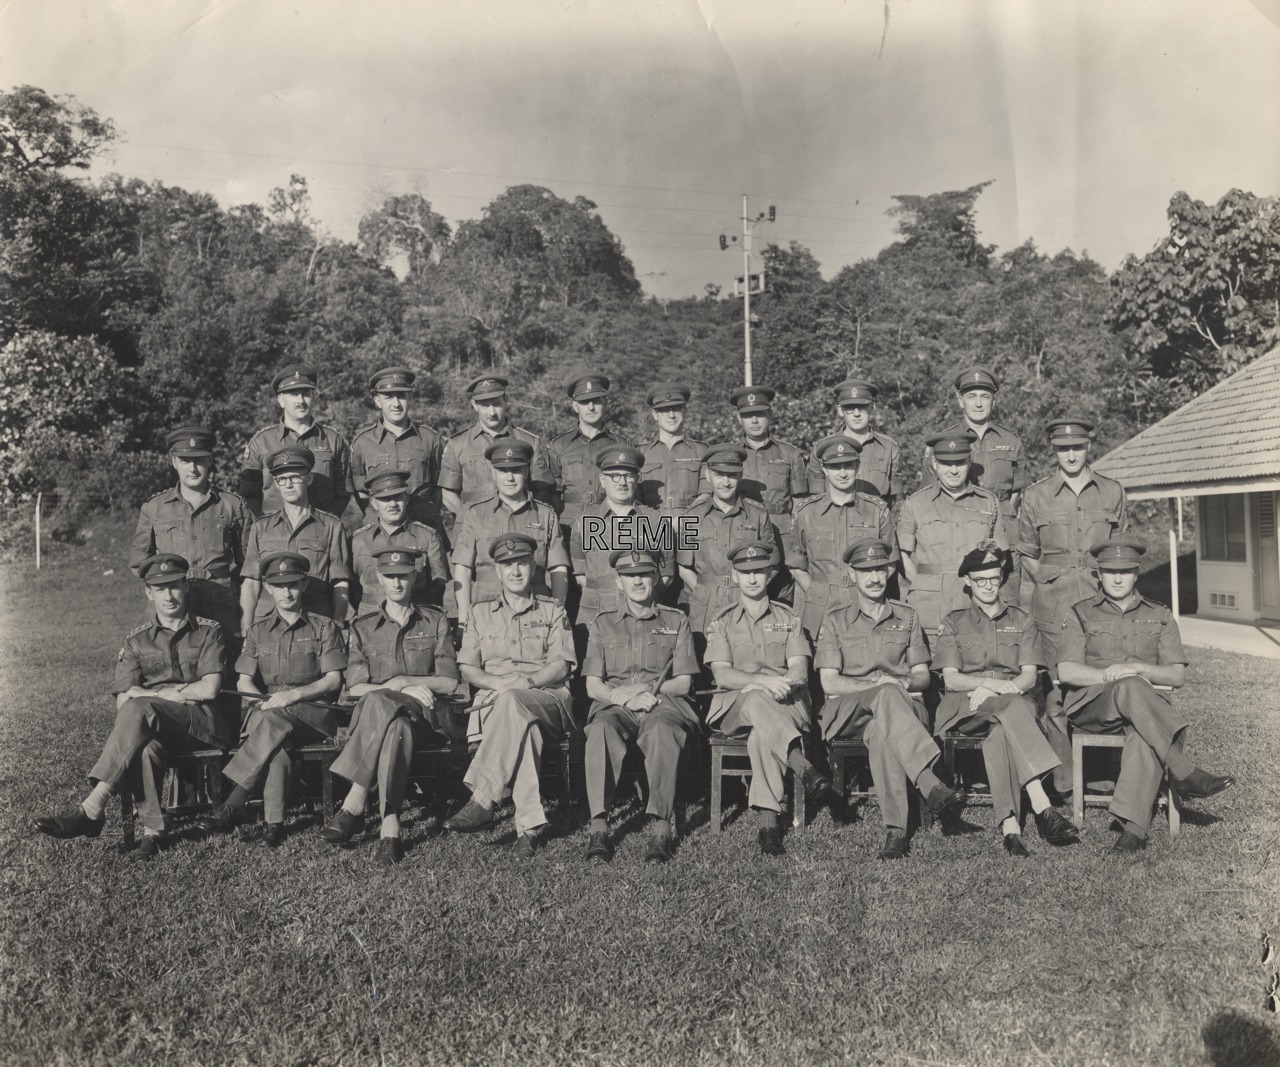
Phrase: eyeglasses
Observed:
(621, 477)
(986, 581)
(290, 479)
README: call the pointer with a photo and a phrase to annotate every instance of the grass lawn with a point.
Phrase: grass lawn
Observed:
(226, 952)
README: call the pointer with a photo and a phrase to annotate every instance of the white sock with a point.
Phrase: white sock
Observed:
(390, 826)
(356, 797)
(95, 804)
(1036, 794)
(147, 831)
(1010, 826)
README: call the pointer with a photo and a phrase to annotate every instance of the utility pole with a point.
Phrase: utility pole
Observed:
(748, 280)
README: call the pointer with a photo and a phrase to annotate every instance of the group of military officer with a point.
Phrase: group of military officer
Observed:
(499, 577)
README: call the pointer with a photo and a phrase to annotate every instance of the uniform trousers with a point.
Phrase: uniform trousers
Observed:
(660, 734)
(385, 727)
(1150, 727)
(513, 730)
(1014, 750)
(772, 729)
(146, 728)
(263, 750)
(885, 719)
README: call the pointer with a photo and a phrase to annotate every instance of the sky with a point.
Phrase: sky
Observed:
(1087, 116)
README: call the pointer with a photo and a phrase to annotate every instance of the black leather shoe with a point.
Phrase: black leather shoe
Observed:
(817, 785)
(526, 845)
(1056, 828)
(1014, 846)
(469, 818)
(1128, 842)
(218, 821)
(389, 852)
(599, 847)
(942, 801)
(147, 850)
(895, 845)
(342, 827)
(770, 841)
(1200, 784)
(273, 836)
(77, 824)
(661, 846)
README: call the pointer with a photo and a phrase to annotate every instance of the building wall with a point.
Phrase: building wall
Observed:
(1227, 590)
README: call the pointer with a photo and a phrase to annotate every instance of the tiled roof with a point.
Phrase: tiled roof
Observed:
(1226, 435)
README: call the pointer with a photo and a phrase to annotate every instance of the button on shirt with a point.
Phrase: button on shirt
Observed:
(857, 645)
(631, 644)
(972, 642)
(465, 471)
(669, 480)
(210, 536)
(431, 570)
(481, 524)
(879, 468)
(573, 469)
(382, 648)
(759, 645)
(283, 655)
(501, 641)
(331, 481)
(376, 449)
(320, 537)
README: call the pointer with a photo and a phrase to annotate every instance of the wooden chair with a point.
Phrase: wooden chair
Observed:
(729, 759)
(952, 742)
(1079, 742)
(203, 767)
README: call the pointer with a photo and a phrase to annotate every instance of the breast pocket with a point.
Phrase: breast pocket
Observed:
(997, 473)
(657, 650)
(977, 526)
(304, 661)
(775, 649)
(856, 655)
(316, 549)
(171, 536)
(377, 461)
(215, 533)
(1055, 536)
(1146, 643)
(821, 546)
(419, 654)
(1105, 642)
(973, 654)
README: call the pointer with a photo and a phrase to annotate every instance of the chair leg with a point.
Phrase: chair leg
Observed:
(717, 782)
(837, 773)
(326, 789)
(126, 817)
(1174, 813)
(1077, 783)
(799, 802)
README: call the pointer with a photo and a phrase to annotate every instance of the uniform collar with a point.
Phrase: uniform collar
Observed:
(709, 505)
(383, 429)
(478, 431)
(533, 603)
(1101, 600)
(276, 621)
(380, 530)
(414, 615)
(286, 429)
(1062, 480)
(746, 443)
(498, 505)
(629, 608)
(740, 610)
(187, 623)
(980, 615)
(968, 490)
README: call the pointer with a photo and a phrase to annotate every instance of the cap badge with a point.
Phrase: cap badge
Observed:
(510, 452)
(395, 557)
(751, 398)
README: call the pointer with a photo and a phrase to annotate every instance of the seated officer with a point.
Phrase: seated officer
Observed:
(296, 658)
(510, 509)
(639, 664)
(759, 653)
(1114, 648)
(871, 657)
(401, 659)
(518, 653)
(989, 655)
(388, 496)
(167, 678)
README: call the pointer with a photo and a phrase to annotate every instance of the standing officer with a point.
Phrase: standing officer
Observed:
(201, 523)
(759, 654)
(294, 658)
(518, 654)
(389, 498)
(938, 525)
(880, 471)
(672, 461)
(1061, 518)
(775, 473)
(872, 659)
(297, 527)
(167, 679)
(401, 667)
(394, 442)
(998, 464)
(465, 476)
(571, 455)
(511, 509)
(1114, 649)
(720, 521)
(619, 524)
(639, 664)
(295, 388)
(830, 523)
(990, 654)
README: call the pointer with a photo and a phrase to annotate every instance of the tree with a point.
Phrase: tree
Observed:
(41, 132)
(404, 230)
(1206, 300)
(790, 270)
(946, 221)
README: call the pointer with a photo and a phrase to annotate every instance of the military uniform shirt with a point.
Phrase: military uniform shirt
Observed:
(998, 463)
(320, 537)
(972, 642)
(210, 537)
(431, 570)
(670, 477)
(481, 524)
(376, 449)
(638, 529)
(717, 531)
(284, 655)
(381, 648)
(757, 646)
(938, 529)
(501, 641)
(776, 475)
(856, 645)
(331, 481)
(879, 468)
(465, 471)
(626, 647)
(153, 656)
(573, 470)
(823, 530)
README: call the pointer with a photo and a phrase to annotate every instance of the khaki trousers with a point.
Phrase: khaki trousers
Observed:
(772, 729)
(263, 750)
(660, 734)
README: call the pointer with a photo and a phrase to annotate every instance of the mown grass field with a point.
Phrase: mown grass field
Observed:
(224, 952)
